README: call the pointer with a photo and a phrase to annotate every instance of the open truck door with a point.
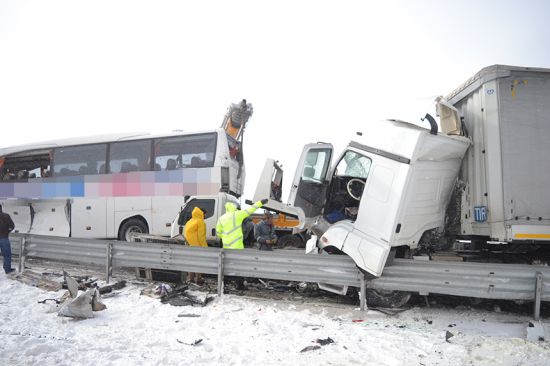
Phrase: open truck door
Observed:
(308, 190)
(309, 187)
(270, 187)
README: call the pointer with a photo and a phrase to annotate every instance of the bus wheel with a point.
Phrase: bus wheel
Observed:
(132, 226)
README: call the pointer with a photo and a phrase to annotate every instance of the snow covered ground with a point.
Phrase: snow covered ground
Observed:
(139, 330)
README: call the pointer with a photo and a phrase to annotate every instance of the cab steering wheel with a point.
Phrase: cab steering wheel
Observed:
(350, 190)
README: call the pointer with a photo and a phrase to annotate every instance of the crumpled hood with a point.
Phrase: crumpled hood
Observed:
(197, 213)
(230, 207)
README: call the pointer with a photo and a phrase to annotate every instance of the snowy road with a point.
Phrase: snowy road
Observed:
(140, 330)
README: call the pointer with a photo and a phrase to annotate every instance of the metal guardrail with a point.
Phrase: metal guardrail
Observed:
(483, 280)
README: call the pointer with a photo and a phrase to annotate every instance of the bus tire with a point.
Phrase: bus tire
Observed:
(133, 225)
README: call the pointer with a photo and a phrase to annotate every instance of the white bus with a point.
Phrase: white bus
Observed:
(110, 186)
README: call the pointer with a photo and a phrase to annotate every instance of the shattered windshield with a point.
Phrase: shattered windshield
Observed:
(353, 165)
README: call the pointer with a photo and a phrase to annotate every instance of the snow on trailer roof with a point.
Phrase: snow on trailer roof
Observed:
(412, 142)
(82, 140)
(487, 74)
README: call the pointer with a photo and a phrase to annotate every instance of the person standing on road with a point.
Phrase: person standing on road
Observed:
(229, 229)
(264, 232)
(229, 225)
(195, 235)
(6, 226)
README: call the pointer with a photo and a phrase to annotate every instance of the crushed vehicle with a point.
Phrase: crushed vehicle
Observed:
(478, 184)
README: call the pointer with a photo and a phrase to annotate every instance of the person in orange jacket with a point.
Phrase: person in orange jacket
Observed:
(195, 235)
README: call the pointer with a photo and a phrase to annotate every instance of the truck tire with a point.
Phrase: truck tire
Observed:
(133, 225)
(387, 299)
(290, 241)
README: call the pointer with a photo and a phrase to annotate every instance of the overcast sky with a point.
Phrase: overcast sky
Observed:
(313, 70)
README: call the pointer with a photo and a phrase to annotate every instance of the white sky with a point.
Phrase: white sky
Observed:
(313, 70)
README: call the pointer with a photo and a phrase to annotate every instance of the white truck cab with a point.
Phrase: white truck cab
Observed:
(385, 190)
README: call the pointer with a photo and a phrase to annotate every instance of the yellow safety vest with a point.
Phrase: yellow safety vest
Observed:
(229, 227)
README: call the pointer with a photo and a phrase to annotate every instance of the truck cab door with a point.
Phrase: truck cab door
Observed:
(309, 187)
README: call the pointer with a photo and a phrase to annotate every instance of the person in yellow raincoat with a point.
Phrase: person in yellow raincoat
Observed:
(195, 235)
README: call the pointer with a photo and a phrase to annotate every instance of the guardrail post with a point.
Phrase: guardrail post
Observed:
(220, 273)
(22, 255)
(363, 298)
(109, 264)
(538, 295)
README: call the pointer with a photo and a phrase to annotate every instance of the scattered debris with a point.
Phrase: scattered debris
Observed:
(310, 348)
(536, 331)
(181, 296)
(37, 280)
(71, 283)
(324, 342)
(57, 301)
(321, 342)
(273, 285)
(164, 289)
(188, 316)
(80, 306)
(448, 335)
(196, 342)
(390, 311)
(109, 288)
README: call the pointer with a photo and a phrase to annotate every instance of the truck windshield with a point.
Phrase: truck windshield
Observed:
(353, 165)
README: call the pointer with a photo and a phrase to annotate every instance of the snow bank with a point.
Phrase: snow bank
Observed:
(139, 330)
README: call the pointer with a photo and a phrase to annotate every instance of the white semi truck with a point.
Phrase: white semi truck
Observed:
(390, 189)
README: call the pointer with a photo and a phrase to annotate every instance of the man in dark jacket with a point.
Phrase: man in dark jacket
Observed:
(264, 232)
(6, 226)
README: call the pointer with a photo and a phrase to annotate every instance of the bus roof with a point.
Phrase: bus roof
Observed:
(46, 145)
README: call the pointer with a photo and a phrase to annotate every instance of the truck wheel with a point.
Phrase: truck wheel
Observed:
(292, 241)
(132, 226)
(387, 299)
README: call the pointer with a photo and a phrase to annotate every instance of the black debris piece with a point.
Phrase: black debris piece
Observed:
(324, 342)
(181, 297)
(429, 321)
(57, 301)
(109, 288)
(196, 342)
(452, 325)
(188, 316)
(448, 335)
(310, 348)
